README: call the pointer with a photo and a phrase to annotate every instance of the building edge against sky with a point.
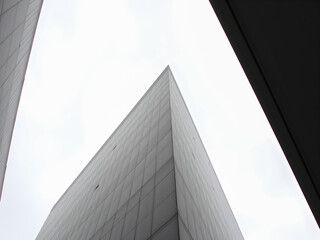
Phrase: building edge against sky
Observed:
(277, 44)
(151, 178)
(18, 22)
(200, 195)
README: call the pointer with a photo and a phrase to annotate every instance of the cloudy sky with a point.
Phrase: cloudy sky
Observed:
(92, 61)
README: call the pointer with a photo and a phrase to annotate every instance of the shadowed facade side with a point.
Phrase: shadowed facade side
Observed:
(278, 46)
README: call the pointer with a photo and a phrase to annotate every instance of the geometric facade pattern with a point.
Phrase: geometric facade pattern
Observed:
(18, 22)
(152, 179)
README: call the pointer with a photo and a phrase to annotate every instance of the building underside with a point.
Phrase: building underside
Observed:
(278, 46)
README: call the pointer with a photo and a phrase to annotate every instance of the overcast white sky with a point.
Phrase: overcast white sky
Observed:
(93, 60)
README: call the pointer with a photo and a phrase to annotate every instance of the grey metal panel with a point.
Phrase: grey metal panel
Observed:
(129, 188)
(18, 21)
(128, 183)
(197, 180)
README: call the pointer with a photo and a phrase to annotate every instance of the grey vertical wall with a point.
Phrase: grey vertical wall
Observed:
(131, 189)
(204, 212)
(18, 21)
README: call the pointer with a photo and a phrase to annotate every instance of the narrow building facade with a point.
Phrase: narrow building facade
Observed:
(18, 22)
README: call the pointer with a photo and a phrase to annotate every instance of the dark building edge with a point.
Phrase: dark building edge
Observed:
(268, 103)
(16, 113)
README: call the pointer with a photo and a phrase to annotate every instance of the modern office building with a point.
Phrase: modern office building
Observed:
(18, 22)
(278, 46)
(152, 179)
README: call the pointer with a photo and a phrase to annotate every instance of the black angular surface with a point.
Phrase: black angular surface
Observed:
(278, 46)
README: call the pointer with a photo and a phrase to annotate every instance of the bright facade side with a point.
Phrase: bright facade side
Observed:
(18, 22)
(152, 179)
